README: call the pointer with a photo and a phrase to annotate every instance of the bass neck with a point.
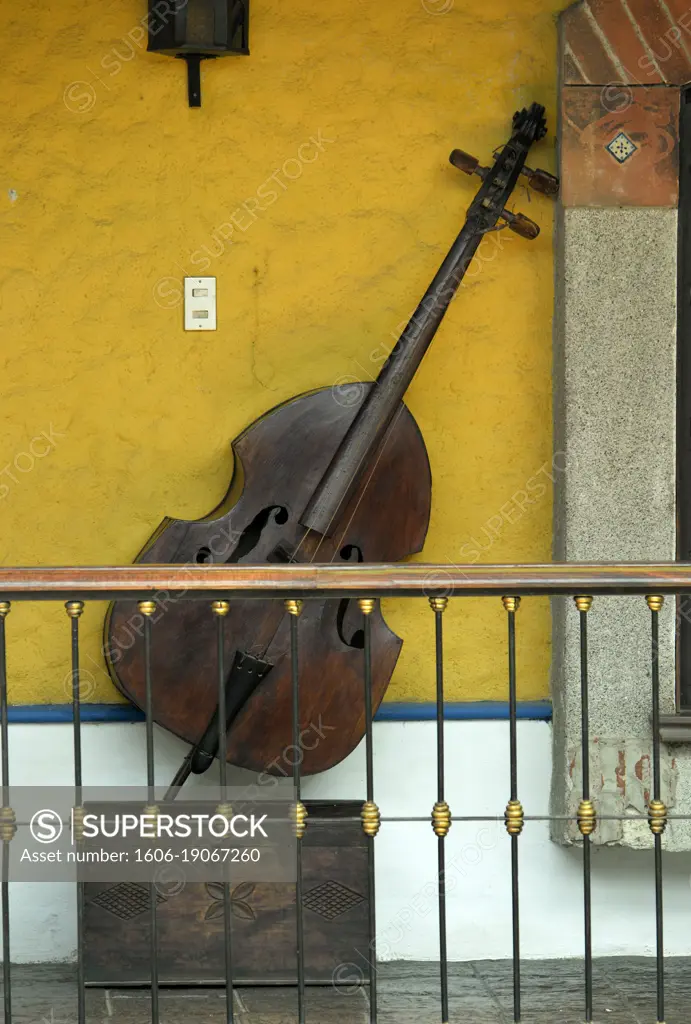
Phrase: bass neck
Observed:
(383, 401)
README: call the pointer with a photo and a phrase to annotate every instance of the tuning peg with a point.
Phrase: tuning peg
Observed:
(467, 163)
(523, 226)
(541, 181)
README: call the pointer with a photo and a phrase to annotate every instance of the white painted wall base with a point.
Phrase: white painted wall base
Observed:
(43, 920)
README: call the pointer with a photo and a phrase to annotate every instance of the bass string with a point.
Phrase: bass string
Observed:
(368, 480)
(357, 470)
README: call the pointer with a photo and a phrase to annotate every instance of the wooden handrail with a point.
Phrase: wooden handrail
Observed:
(312, 580)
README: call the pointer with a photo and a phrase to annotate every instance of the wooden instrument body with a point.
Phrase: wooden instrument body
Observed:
(279, 461)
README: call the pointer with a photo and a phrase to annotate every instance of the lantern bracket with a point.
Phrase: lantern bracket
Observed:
(194, 81)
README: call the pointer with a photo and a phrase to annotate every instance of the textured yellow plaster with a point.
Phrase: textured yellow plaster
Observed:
(113, 190)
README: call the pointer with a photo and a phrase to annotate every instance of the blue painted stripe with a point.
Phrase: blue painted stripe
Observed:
(457, 711)
(45, 713)
(465, 711)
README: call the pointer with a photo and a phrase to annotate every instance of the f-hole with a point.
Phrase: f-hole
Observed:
(347, 609)
(249, 538)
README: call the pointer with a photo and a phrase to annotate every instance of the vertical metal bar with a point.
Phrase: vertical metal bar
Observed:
(7, 820)
(683, 395)
(294, 608)
(371, 818)
(441, 813)
(6, 971)
(586, 811)
(220, 610)
(147, 609)
(74, 610)
(513, 816)
(657, 811)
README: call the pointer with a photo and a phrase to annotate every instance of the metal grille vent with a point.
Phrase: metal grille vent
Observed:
(331, 899)
(126, 900)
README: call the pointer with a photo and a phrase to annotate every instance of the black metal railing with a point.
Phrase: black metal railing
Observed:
(294, 584)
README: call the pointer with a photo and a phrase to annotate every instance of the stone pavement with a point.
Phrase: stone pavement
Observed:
(480, 993)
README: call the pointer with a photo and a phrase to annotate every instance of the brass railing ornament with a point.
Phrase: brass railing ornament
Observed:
(441, 818)
(371, 819)
(78, 814)
(8, 824)
(586, 817)
(299, 816)
(514, 817)
(657, 817)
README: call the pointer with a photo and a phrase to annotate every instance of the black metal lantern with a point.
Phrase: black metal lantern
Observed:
(198, 30)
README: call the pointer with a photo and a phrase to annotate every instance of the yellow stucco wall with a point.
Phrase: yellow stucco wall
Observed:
(113, 189)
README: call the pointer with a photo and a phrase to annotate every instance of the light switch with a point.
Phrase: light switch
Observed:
(200, 303)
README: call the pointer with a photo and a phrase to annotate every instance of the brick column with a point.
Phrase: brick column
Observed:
(623, 62)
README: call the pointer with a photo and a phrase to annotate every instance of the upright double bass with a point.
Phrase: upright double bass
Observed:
(316, 479)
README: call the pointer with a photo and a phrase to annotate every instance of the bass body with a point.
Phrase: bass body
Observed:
(386, 520)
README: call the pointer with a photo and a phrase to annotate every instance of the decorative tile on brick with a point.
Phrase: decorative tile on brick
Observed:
(620, 146)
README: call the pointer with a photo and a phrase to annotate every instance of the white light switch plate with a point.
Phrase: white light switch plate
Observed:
(200, 303)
